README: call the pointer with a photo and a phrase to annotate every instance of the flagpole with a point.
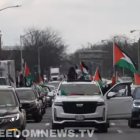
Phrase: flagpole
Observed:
(114, 69)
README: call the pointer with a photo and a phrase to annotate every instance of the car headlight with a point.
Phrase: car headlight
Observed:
(58, 103)
(100, 103)
(136, 104)
(11, 118)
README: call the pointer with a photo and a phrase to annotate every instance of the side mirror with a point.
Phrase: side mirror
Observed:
(110, 95)
(20, 107)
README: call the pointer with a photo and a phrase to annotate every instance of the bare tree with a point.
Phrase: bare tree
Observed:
(52, 48)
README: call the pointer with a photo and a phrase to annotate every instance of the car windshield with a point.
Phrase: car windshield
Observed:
(26, 94)
(7, 98)
(136, 93)
(79, 89)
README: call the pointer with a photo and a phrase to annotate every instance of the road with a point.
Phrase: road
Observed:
(118, 130)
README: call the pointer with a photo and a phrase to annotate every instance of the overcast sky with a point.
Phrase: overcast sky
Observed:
(77, 21)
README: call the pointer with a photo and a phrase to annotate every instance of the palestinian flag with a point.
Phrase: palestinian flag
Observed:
(122, 60)
(137, 78)
(28, 76)
(26, 70)
(84, 68)
(97, 77)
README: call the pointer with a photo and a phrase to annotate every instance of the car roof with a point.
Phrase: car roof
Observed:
(6, 87)
(80, 82)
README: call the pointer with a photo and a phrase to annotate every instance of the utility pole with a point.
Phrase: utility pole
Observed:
(21, 53)
(138, 51)
(139, 55)
(0, 44)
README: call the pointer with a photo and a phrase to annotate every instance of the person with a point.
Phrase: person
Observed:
(72, 75)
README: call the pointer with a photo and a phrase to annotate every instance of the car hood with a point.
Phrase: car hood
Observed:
(8, 111)
(26, 101)
(97, 98)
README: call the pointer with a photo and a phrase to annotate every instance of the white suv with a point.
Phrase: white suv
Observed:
(83, 103)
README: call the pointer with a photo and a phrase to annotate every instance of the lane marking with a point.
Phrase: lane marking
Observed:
(119, 131)
(47, 124)
(113, 124)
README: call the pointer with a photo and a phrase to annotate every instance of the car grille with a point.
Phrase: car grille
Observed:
(79, 107)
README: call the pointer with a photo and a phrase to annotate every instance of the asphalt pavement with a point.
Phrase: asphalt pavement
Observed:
(118, 130)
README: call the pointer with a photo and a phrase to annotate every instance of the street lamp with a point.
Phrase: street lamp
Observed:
(21, 50)
(132, 31)
(8, 7)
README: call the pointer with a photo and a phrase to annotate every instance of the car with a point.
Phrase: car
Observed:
(42, 96)
(31, 102)
(82, 103)
(50, 93)
(54, 83)
(12, 115)
(135, 117)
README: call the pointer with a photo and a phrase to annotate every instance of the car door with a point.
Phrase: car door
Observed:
(119, 101)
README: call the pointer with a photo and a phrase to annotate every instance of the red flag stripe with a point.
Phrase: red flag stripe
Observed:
(27, 70)
(137, 78)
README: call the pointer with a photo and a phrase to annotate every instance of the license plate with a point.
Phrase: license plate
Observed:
(79, 117)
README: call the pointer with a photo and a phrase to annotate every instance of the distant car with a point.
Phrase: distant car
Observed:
(12, 115)
(42, 95)
(135, 117)
(31, 103)
(50, 93)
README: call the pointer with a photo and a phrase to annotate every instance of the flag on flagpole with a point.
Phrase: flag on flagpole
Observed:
(97, 77)
(84, 68)
(26, 70)
(28, 76)
(137, 78)
(122, 60)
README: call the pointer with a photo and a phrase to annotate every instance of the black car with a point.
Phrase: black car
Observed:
(135, 117)
(12, 116)
(31, 102)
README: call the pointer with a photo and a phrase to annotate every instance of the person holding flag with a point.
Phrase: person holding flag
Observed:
(27, 75)
(84, 71)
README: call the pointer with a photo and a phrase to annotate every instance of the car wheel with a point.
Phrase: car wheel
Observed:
(131, 123)
(57, 126)
(103, 128)
(38, 117)
(43, 111)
